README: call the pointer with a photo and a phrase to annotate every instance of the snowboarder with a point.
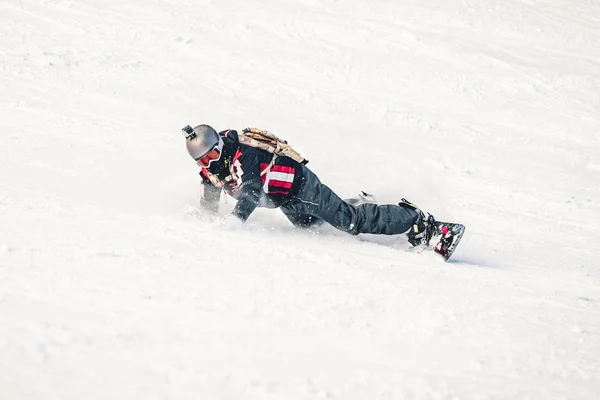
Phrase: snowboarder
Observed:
(258, 178)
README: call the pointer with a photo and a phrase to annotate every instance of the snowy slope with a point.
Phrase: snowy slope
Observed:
(113, 285)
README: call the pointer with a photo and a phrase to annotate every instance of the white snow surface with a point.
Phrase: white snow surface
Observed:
(113, 284)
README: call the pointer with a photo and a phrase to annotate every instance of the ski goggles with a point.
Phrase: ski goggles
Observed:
(213, 154)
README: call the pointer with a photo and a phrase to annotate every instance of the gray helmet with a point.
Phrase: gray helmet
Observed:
(205, 139)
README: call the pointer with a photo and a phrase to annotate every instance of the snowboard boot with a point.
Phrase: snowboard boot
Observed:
(424, 227)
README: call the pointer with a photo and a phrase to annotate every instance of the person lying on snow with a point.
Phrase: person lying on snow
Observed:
(269, 175)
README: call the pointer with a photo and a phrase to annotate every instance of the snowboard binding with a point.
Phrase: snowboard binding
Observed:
(424, 227)
(443, 237)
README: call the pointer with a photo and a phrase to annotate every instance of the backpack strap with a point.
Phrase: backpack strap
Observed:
(214, 179)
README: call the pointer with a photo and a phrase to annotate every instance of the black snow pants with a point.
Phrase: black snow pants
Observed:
(316, 203)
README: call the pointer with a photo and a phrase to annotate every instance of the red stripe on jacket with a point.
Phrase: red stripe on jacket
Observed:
(280, 184)
(283, 168)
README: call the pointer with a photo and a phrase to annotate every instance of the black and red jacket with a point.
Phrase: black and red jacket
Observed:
(258, 184)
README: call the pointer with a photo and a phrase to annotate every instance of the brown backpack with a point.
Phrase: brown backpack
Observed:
(267, 141)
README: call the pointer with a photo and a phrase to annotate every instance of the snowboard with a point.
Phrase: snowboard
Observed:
(446, 238)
